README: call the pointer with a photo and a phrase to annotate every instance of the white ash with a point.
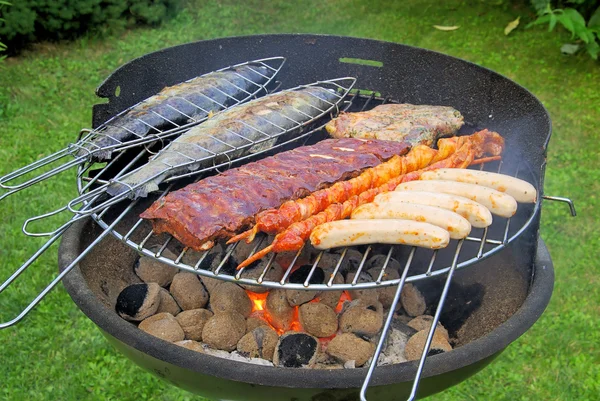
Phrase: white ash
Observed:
(235, 356)
(394, 351)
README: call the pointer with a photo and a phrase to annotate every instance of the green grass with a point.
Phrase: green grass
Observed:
(46, 96)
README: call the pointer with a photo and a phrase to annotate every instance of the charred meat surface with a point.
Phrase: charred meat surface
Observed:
(219, 206)
(415, 124)
(178, 104)
(232, 132)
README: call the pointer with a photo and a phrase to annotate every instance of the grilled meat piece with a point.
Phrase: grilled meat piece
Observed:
(239, 127)
(176, 104)
(398, 122)
(222, 205)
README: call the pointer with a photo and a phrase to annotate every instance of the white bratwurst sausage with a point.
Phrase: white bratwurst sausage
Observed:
(455, 224)
(521, 190)
(477, 214)
(497, 202)
(380, 231)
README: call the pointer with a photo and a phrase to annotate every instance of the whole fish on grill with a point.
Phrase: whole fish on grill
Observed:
(233, 132)
(220, 206)
(415, 124)
(178, 104)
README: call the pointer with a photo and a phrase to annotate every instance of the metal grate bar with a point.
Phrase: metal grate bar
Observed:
(433, 267)
(337, 267)
(387, 325)
(312, 270)
(436, 319)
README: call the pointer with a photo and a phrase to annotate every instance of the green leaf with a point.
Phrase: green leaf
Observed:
(594, 21)
(593, 49)
(512, 26)
(567, 23)
(574, 16)
(446, 28)
(540, 20)
(553, 20)
(540, 6)
(574, 22)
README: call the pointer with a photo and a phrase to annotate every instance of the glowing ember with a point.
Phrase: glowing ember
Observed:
(259, 301)
(345, 297)
(296, 326)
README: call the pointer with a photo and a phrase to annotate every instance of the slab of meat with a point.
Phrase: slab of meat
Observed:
(222, 205)
(416, 124)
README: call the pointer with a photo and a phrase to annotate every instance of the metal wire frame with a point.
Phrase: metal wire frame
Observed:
(86, 136)
(341, 87)
(84, 184)
(494, 245)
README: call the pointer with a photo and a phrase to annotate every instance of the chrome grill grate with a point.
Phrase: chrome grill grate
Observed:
(419, 264)
(481, 244)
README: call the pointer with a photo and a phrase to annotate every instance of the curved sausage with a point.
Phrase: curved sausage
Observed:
(477, 214)
(379, 231)
(455, 224)
(519, 189)
(497, 202)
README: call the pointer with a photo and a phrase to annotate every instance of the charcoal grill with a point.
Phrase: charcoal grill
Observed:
(385, 72)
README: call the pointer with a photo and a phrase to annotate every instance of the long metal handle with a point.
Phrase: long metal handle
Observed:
(436, 319)
(564, 200)
(386, 328)
(390, 317)
(62, 274)
(90, 149)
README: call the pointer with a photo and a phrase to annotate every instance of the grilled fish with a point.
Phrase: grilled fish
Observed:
(225, 133)
(178, 104)
(415, 124)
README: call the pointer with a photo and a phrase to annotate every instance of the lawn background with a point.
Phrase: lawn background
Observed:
(46, 96)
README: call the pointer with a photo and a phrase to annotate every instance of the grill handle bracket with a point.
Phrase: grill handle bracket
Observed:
(564, 200)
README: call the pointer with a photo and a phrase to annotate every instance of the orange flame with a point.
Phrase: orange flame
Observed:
(259, 301)
(343, 298)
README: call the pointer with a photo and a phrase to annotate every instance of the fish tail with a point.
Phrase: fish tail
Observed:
(131, 185)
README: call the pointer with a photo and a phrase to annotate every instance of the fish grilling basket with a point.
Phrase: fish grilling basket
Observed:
(372, 73)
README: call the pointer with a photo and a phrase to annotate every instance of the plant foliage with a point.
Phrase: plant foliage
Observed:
(32, 20)
(2, 45)
(580, 17)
